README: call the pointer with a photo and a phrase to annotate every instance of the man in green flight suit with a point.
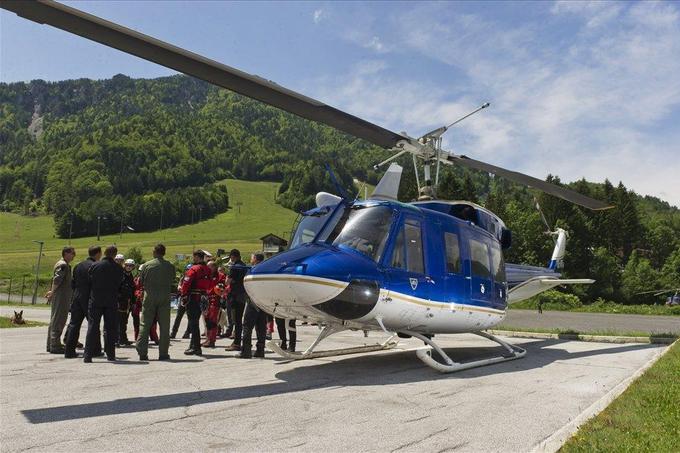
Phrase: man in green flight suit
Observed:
(157, 277)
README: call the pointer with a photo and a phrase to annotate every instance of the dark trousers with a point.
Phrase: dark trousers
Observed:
(94, 317)
(193, 309)
(122, 327)
(78, 314)
(254, 318)
(230, 317)
(238, 306)
(281, 328)
(178, 319)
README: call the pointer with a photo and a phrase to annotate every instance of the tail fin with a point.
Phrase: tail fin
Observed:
(557, 260)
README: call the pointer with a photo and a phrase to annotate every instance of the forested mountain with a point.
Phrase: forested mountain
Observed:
(147, 152)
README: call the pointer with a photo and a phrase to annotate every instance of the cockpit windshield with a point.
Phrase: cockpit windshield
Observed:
(366, 230)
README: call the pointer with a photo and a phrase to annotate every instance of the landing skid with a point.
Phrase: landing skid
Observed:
(449, 366)
(309, 353)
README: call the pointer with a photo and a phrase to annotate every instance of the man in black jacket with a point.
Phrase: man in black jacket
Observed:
(106, 277)
(237, 295)
(81, 296)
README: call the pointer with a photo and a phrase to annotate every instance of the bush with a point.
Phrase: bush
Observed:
(135, 254)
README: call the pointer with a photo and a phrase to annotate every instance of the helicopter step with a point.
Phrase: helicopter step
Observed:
(309, 353)
(449, 366)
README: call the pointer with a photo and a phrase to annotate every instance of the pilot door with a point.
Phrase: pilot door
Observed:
(405, 269)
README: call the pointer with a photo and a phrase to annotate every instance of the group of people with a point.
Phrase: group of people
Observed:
(104, 286)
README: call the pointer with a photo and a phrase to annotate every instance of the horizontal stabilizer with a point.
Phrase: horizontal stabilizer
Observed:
(537, 285)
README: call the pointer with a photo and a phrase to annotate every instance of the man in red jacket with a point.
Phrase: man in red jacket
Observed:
(195, 285)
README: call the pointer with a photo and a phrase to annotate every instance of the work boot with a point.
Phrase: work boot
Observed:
(259, 353)
(284, 345)
(245, 354)
(164, 357)
(87, 359)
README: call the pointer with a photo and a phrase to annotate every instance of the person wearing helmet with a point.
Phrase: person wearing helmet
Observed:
(211, 306)
(119, 259)
(194, 287)
(126, 299)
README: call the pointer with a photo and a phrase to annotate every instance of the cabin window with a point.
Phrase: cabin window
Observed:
(452, 253)
(399, 252)
(366, 230)
(497, 264)
(479, 256)
(408, 248)
(414, 247)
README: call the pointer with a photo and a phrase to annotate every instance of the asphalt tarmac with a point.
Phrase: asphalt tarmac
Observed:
(592, 322)
(381, 401)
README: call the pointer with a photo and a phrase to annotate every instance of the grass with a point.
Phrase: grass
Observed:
(240, 227)
(604, 333)
(646, 417)
(6, 323)
(602, 308)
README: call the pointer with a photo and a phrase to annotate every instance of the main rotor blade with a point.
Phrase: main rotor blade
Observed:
(151, 49)
(552, 189)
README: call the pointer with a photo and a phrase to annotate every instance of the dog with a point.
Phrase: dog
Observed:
(18, 318)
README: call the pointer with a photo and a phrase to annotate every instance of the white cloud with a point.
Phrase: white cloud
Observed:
(318, 15)
(375, 44)
(594, 102)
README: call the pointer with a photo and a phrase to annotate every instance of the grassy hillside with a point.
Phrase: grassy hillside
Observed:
(258, 215)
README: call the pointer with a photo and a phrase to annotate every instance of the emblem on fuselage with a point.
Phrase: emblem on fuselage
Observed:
(414, 283)
(482, 289)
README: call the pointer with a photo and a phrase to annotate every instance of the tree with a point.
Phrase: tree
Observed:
(639, 277)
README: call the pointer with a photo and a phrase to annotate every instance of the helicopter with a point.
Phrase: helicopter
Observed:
(416, 269)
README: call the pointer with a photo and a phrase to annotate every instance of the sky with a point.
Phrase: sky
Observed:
(577, 89)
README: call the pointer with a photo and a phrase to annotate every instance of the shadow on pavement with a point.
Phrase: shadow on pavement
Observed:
(369, 369)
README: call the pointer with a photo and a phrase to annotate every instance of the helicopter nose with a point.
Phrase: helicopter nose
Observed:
(291, 290)
(335, 282)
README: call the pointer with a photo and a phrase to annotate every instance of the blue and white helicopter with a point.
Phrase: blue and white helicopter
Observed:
(407, 269)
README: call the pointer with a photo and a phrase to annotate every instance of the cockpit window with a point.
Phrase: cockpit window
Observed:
(310, 225)
(366, 230)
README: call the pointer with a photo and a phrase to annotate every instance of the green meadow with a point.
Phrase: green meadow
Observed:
(253, 214)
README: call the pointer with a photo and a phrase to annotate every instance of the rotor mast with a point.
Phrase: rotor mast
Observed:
(430, 151)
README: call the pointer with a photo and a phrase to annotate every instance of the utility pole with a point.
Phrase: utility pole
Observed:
(122, 220)
(37, 272)
(161, 224)
(70, 229)
(200, 214)
(192, 214)
(99, 218)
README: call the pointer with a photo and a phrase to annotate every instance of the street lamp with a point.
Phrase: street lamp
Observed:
(99, 218)
(37, 272)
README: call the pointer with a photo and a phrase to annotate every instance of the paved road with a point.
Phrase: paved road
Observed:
(588, 322)
(385, 401)
(582, 322)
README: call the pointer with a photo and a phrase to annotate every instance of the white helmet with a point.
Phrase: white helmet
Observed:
(130, 262)
(119, 257)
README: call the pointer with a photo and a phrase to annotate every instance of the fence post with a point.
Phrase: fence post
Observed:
(23, 285)
(9, 291)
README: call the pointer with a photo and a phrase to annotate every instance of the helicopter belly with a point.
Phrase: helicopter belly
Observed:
(402, 312)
